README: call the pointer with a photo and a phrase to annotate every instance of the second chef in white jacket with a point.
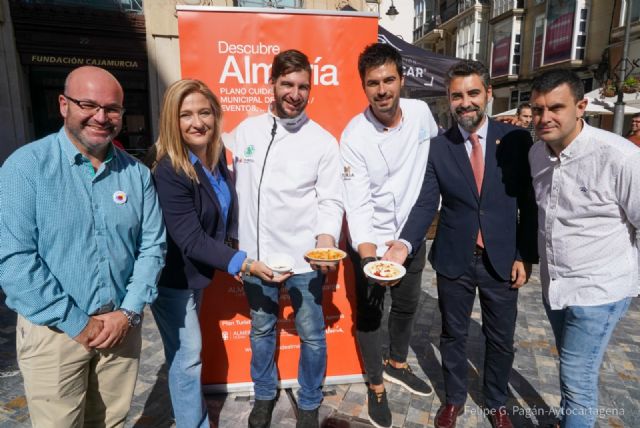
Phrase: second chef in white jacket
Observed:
(289, 195)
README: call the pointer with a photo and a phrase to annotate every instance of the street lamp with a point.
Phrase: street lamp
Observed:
(618, 110)
(392, 12)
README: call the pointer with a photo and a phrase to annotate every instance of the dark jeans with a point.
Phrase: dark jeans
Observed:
(499, 304)
(405, 297)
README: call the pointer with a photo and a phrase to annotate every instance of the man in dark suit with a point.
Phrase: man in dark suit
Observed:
(486, 237)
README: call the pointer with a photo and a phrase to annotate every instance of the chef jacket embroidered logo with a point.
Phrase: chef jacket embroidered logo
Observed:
(119, 197)
(248, 155)
(346, 173)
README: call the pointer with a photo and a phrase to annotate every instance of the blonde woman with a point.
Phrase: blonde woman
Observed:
(200, 208)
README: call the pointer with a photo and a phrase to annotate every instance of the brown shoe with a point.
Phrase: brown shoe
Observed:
(499, 418)
(447, 415)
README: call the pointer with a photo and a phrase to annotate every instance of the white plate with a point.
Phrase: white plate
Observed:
(337, 252)
(371, 267)
(280, 262)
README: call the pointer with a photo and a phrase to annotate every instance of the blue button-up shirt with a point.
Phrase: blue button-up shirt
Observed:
(74, 241)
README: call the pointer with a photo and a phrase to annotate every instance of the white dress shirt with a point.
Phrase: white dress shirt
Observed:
(588, 209)
(482, 137)
(301, 193)
(383, 170)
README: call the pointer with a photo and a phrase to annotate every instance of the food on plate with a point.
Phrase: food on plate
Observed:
(326, 254)
(280, 262)
(385, 270)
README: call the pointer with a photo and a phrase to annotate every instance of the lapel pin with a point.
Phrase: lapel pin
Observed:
(497, 142)
(119, 197)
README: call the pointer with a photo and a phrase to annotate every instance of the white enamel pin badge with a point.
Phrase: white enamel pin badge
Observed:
(119, 197)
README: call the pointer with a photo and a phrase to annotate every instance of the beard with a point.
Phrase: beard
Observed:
(283, 113)
(78, 132)
(469, 123)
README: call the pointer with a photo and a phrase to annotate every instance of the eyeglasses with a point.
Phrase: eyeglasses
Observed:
(89, 107)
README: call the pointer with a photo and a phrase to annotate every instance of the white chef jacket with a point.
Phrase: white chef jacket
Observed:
(383, 170)
(301, 192)
(588, 211)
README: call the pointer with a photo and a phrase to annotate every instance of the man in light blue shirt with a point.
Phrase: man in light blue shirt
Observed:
(82, 245)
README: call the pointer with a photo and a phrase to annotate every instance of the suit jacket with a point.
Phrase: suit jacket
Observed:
(505, 210)
(197, 235)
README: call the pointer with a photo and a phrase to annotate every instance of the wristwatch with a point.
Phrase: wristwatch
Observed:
(367, 260)
(133, 318)
(363, 262)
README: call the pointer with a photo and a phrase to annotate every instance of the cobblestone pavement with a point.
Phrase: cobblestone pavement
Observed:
(534, 384)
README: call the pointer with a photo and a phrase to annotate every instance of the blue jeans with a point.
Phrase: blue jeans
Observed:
(582, 334)
(305, 292)
(176, 314)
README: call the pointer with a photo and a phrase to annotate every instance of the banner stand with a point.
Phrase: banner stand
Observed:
(231, 50)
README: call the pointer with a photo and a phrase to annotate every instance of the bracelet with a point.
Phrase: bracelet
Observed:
(247, 266)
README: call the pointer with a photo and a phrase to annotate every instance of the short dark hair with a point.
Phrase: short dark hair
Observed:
(521, 106)
(465, 68)
(377, 54)
(635, 115)
(551, 79)
(289, 61)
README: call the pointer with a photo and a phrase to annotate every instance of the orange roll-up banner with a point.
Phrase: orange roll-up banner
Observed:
(231, 50)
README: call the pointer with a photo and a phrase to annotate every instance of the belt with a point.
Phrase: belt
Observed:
(478, 251)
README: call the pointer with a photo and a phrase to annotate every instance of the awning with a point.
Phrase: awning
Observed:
(633, 99)
(424, 71)
(594, 107)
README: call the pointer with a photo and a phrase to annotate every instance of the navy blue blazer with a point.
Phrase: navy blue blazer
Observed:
(505, 211)
(197, 236)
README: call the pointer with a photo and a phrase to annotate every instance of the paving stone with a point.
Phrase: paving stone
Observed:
(533, 384)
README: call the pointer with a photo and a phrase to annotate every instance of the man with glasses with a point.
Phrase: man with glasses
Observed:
(83, 245)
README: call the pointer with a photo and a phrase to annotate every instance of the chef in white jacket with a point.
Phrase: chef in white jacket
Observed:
(289, 196)
(384, 151)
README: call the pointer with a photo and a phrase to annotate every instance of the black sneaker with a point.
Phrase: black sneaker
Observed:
(407, 379)
(378, 406)
(260, 416)
(308, 418)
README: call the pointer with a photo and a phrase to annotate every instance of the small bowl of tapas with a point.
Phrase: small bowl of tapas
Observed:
(280, 263)
(384, 271)
(325, 255)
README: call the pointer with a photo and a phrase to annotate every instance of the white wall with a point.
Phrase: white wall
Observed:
(402, 24)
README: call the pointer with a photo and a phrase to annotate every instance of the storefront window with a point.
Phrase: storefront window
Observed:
(114, 5)
(635, 11)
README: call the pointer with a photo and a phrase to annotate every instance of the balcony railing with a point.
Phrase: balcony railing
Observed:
(448, 12)
(424, 29)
